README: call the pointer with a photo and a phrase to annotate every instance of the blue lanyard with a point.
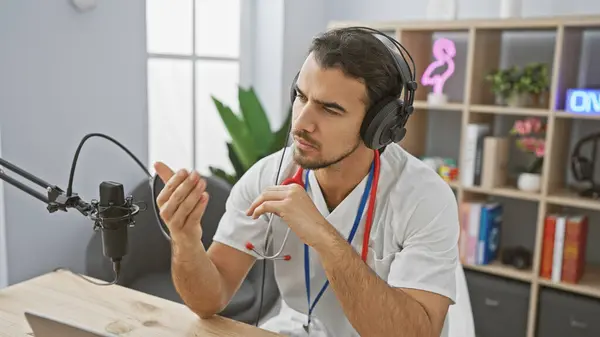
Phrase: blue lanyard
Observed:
(361, 208)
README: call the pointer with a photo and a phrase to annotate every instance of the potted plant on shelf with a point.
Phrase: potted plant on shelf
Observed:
(515, 87)
(536, 75)
(502, 83)
(250, 132)
(530, 134)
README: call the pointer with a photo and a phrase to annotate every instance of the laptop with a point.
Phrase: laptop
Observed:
(45, 326)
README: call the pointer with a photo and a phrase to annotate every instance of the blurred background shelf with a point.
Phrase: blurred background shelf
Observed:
(447, 106)
(588, 285)
(497, 268)
(505, 110)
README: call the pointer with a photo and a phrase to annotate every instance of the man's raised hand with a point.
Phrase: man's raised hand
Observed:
(182, 201)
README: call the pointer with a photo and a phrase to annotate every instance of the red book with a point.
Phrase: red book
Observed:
(574, 248)
(548, 246)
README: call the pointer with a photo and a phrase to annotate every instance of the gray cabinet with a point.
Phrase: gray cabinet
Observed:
(563, 314)
(500, 306)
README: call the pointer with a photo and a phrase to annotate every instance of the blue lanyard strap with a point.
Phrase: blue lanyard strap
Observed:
(361, 208)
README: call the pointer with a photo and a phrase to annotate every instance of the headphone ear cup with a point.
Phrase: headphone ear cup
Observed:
(383, 124)
(293, 89)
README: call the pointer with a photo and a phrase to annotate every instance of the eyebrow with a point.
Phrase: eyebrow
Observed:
(331, 105)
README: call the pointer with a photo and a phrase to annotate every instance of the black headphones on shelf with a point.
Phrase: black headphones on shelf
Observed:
(385, 120)
(583, 167)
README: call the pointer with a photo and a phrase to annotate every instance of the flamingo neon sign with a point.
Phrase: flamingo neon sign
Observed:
(444, 51)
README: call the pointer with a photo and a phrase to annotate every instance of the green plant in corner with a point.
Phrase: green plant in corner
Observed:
(250, 132)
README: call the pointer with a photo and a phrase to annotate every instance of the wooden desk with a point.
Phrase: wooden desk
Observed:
(114, 309)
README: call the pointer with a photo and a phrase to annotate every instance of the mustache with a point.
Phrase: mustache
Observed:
(306, 138)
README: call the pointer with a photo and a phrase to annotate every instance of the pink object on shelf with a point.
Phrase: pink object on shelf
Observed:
(443, 50)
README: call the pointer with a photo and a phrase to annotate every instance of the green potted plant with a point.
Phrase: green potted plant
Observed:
(502, 83)
(251, 135)
(537, 80)
(526, 87)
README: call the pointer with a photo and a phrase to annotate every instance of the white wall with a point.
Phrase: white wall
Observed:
(282, 33)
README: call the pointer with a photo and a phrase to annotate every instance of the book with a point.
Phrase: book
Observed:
(473, 237)
(575, 239)
(464, 211)
(494, 171)
(557, 256)
(548, 246)
(489, 233)
(471, 161)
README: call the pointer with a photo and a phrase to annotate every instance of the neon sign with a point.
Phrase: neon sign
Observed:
(583, 101)
(444, 51)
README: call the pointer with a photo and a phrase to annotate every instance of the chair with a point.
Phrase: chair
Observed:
(147, 266)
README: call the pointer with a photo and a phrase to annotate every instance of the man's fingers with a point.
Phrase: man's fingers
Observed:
(270, 194)
(170, 187)
(196, 214)
(180, 194)
(163, 171)
(272, 206)
(186, 207)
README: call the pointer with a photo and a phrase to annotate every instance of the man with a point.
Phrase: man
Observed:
(406, 284)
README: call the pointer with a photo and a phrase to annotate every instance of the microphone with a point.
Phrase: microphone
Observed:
(112, 215)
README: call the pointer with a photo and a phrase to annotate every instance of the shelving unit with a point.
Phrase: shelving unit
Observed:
(484, 45)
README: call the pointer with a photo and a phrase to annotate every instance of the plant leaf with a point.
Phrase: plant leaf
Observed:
(280, 135)
(235, 161)
(255, 118)
(242, 140)
(223, 175)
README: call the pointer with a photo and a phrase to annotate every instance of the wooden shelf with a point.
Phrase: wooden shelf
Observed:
(505, 110)
(508, 191)
(484, 47)
(588, 285)
(496, 268)
(570, 198)
(564, 114)
(447, 106)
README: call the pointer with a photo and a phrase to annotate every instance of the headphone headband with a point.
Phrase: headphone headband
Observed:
(385, 120)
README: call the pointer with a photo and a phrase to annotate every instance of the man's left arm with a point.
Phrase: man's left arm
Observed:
(415, 298)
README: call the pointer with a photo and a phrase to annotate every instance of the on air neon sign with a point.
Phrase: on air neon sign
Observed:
(586, 101)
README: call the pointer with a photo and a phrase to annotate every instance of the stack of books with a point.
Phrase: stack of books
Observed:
(563, 248)
(481, 224)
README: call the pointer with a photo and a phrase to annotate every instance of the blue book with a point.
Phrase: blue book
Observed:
(489, 233)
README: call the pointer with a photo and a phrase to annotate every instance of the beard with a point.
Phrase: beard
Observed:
(308, 164)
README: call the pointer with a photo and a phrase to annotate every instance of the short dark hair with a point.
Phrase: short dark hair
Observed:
(360, 55)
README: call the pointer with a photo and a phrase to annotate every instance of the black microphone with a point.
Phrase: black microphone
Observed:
(113, 212)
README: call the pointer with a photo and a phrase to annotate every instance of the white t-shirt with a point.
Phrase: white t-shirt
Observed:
(413, 242)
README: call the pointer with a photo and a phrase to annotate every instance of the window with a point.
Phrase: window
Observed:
(193, 54)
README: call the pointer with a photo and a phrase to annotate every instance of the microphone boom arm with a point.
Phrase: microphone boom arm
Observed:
(55, 199)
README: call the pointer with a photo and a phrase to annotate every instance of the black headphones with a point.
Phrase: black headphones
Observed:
(385, 120)
(583, 167)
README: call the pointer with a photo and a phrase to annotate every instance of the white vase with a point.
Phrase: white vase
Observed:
(529, 182)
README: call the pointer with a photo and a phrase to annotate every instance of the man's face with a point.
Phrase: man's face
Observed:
(327, 114)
